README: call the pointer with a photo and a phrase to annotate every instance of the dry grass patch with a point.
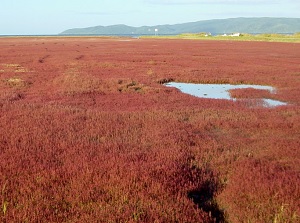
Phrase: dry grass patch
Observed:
(14, 68)
(107, 65)
(16, 82)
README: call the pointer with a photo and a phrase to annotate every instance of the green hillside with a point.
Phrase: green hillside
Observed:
(217, 26)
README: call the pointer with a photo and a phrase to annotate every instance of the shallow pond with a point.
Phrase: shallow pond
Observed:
(221, 91)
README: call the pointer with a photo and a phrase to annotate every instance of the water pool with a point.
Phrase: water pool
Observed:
(221, 91)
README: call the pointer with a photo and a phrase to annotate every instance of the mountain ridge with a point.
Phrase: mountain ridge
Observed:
(214, 26)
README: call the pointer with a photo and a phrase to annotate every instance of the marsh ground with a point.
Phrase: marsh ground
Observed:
(89, 133)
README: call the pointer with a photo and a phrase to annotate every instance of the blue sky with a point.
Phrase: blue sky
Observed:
(21, 17)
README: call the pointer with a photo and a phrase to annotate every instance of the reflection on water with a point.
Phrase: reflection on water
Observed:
(221, 91)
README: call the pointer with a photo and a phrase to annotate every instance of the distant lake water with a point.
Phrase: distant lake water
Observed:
(132, 35)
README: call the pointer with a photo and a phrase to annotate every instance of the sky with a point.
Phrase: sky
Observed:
(43, 17)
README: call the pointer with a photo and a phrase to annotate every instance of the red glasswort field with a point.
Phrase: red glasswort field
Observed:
(88, 133)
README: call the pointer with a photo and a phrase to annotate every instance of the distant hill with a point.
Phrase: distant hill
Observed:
(216, 26)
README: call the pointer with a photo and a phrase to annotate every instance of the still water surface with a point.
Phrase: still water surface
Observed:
(221, 91)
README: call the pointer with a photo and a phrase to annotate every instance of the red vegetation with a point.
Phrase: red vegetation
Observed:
(250, 93)
(89, 134)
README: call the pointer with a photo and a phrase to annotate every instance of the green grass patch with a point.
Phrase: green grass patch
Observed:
(295, 38)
